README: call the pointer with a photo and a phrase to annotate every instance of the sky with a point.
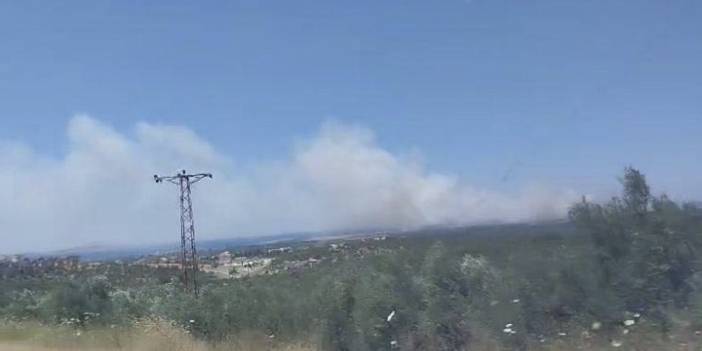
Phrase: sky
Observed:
(320, 115)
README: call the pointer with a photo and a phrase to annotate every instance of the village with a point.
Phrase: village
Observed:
(222, 264)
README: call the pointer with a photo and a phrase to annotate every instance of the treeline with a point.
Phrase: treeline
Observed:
(630, 263)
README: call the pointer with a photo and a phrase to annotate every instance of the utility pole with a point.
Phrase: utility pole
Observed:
(188, 252)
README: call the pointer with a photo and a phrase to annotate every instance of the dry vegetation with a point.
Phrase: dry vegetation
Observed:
(160, 335)
(179, 341)
(146, 335)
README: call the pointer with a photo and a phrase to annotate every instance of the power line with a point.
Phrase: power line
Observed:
(188, 251)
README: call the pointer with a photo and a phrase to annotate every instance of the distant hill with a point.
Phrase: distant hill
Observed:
(99, 252)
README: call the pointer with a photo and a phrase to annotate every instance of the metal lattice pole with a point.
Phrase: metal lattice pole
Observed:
(188, 251)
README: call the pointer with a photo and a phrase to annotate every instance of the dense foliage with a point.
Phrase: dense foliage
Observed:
(632, 258)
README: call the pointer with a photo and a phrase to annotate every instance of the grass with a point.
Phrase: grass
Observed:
(161, 336)
(146, 335)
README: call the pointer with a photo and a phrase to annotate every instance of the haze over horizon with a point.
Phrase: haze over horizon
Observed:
(102, 190)
(314, 116)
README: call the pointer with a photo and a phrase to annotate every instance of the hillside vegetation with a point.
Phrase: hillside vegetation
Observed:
(618, 275)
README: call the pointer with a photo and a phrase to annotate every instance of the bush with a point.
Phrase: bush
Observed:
(78, 303)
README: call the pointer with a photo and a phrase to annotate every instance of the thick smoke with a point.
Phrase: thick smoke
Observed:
(101, 191)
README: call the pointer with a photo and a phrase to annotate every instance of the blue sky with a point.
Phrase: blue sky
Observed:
(498, 93)
(559, 87)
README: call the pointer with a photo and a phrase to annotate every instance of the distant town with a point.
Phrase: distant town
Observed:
(230, 263)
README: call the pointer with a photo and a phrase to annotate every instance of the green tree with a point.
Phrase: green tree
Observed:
(643, 251)
(79, 303)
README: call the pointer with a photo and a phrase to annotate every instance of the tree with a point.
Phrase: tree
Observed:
(79, 302)
(637, 194)
(643, 254)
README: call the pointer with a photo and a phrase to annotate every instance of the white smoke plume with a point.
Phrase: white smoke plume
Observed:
(101, 189)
